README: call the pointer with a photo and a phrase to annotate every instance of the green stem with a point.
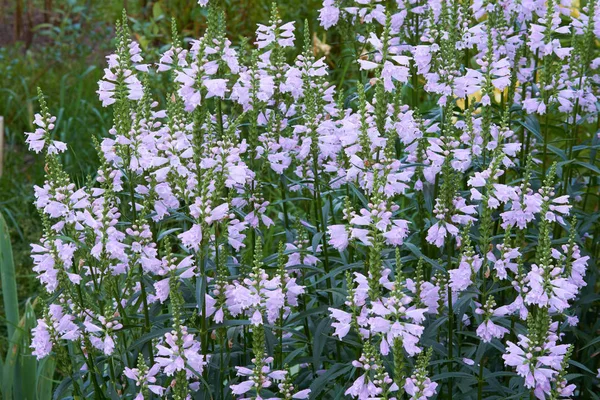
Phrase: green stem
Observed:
(450, 328)
(286, 218)
(480, 381)
(545, 153)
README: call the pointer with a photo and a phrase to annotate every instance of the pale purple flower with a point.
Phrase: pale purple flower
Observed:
(215, 87)
(343, 324)
(38, 139)
(420, 390)
(549, 289)
(538, 365)
(438, 231)
(56, 326)
(488, 330)
(329, 14)
(338, 237)
(192, 238)
(41, 341)
(172, 358)
(145, 381)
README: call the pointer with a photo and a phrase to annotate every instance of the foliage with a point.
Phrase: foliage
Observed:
(403, 207)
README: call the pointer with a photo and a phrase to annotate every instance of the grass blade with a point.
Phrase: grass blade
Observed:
(10, 369)
(9, 282)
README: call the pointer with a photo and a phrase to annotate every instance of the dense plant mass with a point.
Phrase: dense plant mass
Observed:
(270, 232)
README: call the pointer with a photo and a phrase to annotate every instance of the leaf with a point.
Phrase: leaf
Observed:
(199, 376)
(445, 375)
(321, 382)
(65, 384)
(532, 125)
(588, 166)
(418, 254)
(157, 10)
(316, 241)
(320, 339)
(9, 282)
(291, 356)
(10, 369)
(28, 362)
(558, 152)
(292, 199)
(231, 322)
(359, 194)
(162, 234)
(305, 314)
(593, 342)
(149, 336)
(581, 366)
(44, 381)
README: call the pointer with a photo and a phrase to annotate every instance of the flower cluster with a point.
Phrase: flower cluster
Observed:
(274, 230)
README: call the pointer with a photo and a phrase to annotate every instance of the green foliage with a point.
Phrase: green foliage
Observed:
(21, 376)
(61, 56)
(9, 283)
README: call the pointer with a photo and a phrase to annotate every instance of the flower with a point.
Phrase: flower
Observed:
(420, 390)
(282, 35)
(57, 325)
(548, 289)
(261, 376)
(488, 330)
(338, 237)
(41, 136)
(145, 379)
(436, 234)
(172, 358)
(261, 184)
(329, 14)
(343, 324)
(461, 278)
(373, 381)
(215, 87)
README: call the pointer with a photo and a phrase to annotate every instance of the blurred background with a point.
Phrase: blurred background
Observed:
(60, 46)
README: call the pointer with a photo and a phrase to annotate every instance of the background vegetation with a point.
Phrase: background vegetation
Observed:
(60, 45)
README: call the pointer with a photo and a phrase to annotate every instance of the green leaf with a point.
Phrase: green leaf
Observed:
(321, 382)
(593, 395)
(161, 235)
(156, 10)
(532, 125)
(9, 282)
(28, 362)
(558, 152)
(593, 342)
(320, 339)
(581, 366)
(300, 316)
(588, 166)
(63, 387)
(149, 336)
(10, 369)
(445, 375)
(10, 372)
(44, 379)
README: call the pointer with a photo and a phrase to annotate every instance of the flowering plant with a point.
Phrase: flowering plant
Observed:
(266, 233)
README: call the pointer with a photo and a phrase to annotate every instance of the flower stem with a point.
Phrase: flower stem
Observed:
(450, 327)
